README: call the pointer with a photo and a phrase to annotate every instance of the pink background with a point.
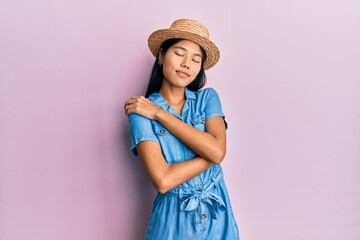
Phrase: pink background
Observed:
(289, 80)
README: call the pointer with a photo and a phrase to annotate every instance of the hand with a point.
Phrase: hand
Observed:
(142, 106)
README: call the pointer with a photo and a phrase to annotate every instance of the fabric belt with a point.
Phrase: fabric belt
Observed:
(190, 201)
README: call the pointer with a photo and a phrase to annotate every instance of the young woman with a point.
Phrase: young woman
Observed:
(179, 132)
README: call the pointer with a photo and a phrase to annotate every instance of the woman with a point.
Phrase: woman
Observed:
(179, 132)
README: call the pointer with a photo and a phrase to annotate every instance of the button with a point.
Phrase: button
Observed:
(203, 119)
(162, 131)
(203, 215)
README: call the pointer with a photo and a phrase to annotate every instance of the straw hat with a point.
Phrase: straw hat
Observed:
(190, 30)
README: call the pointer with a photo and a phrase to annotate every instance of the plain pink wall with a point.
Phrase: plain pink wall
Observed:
(289, 80)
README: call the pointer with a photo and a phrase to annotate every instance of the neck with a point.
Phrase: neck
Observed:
(173, 96)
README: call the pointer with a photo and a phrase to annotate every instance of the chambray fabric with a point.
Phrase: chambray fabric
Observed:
(199, 208)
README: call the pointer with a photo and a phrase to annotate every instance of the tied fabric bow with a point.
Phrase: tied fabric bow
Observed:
(213, 201)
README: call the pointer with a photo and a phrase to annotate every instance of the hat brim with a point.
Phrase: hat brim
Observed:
(158, 37)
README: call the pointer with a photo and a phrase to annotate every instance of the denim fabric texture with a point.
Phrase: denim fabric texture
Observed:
(199, 208)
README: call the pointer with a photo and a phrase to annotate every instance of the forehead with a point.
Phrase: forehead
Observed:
(188, 46)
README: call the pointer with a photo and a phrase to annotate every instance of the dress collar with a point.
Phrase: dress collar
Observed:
(189, 94)
(159, 100)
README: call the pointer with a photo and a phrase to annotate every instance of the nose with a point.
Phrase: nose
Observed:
(186, 63)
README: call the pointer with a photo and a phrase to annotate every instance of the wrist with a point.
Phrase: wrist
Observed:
(158, 114)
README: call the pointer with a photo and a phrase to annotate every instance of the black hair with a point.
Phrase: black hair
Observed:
(156, 77)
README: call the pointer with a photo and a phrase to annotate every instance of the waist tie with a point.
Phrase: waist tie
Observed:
(205, 196)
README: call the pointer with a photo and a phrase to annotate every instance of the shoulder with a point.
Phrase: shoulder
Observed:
(206, 92)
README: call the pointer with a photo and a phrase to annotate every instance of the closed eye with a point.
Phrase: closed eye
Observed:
(196, 59)
(179, 54)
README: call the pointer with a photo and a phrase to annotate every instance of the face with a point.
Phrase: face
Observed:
(181, 63)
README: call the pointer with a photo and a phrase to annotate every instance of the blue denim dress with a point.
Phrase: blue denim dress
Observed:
(199, 208)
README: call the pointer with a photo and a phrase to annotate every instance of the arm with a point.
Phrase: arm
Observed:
(210, 145)
(164, 176)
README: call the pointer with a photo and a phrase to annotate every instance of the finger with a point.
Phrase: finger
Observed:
(131, 108)
(135, 97)
(127, 106)
(143, 99)
(130, 100)
(126, 103)
(135, 100)
(127, 111)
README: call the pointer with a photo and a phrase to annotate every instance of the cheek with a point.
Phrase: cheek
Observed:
(196, 71)
(167, 71)
(169, 66)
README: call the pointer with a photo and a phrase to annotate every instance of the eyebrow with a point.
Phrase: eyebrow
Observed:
(182, 48)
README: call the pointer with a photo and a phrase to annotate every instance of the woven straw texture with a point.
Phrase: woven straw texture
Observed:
(190, 30)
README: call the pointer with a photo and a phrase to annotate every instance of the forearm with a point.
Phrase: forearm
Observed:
(211, 144)
(165, 176)
(179, 173)
(203, 143)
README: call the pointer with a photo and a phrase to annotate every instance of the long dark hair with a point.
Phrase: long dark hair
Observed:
(156, 77)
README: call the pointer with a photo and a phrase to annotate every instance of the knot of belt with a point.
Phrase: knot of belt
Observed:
(198, 197)
(214, 203)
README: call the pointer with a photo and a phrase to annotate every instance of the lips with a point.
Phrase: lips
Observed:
(183, 73)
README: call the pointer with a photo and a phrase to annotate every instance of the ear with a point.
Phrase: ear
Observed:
(161, 57)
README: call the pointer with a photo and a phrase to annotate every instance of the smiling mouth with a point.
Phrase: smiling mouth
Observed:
(183, 73)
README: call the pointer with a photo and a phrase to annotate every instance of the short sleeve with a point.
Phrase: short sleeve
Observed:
(213, 105)
(140, 130)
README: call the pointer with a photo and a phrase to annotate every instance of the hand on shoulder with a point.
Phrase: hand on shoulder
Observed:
(141, 106)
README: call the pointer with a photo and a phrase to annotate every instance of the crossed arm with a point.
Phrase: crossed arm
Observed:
(209, 145)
